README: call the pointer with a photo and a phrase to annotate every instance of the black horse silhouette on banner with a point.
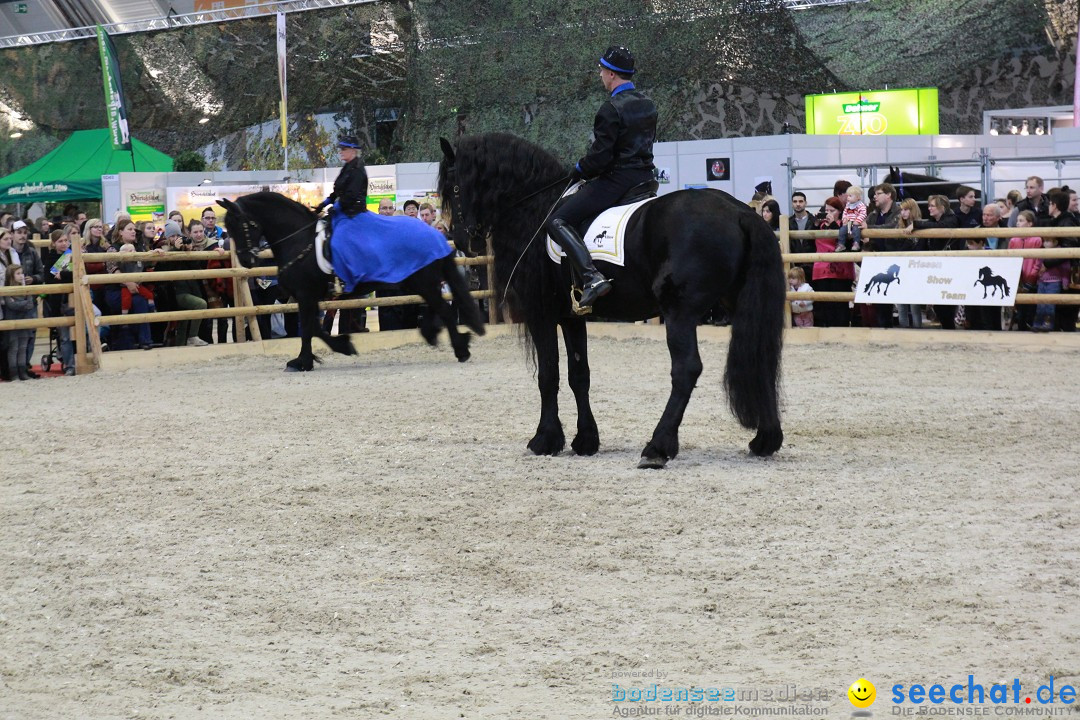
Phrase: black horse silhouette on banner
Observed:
(885, 278)
(994, 282)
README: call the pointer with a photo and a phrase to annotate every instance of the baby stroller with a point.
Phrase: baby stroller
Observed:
(53, 355)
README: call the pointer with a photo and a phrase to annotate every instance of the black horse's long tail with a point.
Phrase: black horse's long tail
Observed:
(752, 376)
(459, 287)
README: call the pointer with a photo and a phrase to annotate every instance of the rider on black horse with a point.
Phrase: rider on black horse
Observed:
(621, 156)
(351, 185)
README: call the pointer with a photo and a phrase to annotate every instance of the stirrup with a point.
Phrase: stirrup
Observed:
(576, 294)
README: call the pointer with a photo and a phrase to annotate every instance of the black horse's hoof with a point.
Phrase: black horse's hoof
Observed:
(461, 347)
(464, 356)
(586, 443)
(547, 443)
(766, 442)
(298, 366)
(652, 463)
(430, 333)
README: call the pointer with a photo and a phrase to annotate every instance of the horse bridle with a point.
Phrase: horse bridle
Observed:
(473, 231)
(253, 253)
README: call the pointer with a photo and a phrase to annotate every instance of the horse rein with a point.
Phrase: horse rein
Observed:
(248, 224)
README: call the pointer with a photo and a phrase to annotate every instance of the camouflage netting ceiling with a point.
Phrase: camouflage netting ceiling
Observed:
(716, 68)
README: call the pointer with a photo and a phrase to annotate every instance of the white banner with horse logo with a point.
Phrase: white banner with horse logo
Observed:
(922, 280)
(605, 236)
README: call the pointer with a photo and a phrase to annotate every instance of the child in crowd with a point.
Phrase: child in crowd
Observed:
(127, 289)
(801, 310)
(851, 220)
(1029, 271)
(1053, 276)
(18, 307)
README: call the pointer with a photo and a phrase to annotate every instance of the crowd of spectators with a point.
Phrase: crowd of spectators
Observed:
(1013, 215)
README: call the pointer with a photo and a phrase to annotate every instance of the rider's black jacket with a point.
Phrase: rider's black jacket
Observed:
(623, 134)
(351, 187)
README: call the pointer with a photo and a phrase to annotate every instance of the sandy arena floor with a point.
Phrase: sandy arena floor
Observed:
(372, 539)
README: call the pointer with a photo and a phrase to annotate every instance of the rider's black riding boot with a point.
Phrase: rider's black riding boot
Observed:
(594, 285)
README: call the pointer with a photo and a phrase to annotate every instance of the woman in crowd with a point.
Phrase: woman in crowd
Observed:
(770, 213)
(831, 276)
(910, 316)
(941, 216)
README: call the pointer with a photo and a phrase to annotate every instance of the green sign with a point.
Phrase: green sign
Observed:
(20, 9)
(882, 112)
(115, 102)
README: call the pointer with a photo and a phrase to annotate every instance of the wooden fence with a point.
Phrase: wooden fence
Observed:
(88, 348)
(786, 236)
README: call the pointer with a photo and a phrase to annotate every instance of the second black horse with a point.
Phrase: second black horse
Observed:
(289, 230)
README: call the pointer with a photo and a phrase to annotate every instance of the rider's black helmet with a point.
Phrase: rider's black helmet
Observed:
(618, 59)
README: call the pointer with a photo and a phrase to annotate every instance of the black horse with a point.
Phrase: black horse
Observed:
(289, 229)
(911, 185)
(684, 253)
(885, 278)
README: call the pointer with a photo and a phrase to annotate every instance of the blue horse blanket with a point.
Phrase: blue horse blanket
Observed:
(383, 249)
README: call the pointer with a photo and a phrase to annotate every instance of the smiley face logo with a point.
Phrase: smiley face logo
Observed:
(862, 693)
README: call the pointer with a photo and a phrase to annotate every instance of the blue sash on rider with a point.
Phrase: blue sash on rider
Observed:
(384, 249)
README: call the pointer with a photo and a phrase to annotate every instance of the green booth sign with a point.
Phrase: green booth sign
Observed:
(912, 111)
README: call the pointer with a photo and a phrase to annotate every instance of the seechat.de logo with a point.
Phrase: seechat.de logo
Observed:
(862, 693)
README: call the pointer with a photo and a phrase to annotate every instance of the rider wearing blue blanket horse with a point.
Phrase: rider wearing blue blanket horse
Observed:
(372, 248)
(620, 157)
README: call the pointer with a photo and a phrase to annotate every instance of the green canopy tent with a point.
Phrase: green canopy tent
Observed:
(73, 171)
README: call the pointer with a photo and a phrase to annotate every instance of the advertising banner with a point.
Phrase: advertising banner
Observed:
(115, 102)
(146, 205)
(915, 280)
(882, 112)
(191, 201)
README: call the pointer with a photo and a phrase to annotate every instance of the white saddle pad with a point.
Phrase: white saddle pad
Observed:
(320, 240)
(605, 236)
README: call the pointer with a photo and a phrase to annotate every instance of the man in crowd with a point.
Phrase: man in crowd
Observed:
(427, 213)
(1035, 201)
(33, 273)
(411, 208)
(991, 218)
(967, 213)
(213, 233)
(802, 220)
(386, 207)
(885, 215)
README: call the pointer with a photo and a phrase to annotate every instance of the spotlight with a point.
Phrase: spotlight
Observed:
(206, 181)
(1024, 127)
(995, 128)
(15, 135)
(1013, 129)
(203, 121)
(1040, 129)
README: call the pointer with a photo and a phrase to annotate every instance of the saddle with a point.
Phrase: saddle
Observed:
(637, 193)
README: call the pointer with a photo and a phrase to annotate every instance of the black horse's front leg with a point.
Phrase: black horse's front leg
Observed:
(309, 318)
(549, 438)
(575, 336)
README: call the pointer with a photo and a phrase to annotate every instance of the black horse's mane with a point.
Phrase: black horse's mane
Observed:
(499, 176)
(276, 205)
(499, 169)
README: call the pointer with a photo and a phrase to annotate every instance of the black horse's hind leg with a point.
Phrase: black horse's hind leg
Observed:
(432, 294)
(309, 319)
(587, 440)
(549, 438)
(685, 370)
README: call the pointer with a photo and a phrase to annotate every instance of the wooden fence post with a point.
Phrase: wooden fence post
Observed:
(493, 313)
(785, 248)
(82, 325)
